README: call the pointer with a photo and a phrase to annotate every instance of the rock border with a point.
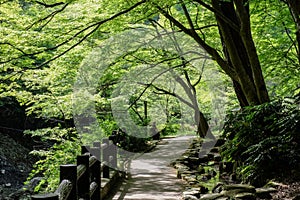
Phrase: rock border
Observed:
(209, 178)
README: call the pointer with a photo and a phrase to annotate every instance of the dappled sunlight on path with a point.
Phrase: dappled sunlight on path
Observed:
(151, 177)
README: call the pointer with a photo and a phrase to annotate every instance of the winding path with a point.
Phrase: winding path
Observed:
(151, 176)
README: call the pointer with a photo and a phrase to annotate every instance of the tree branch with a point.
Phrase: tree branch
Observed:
(49, 5)
(290, 37)
(50, 17)
(172, 94)
(187, 15)
(211, 51)
(219, 14)
(95, 26)
(200, 77)
(14, 47)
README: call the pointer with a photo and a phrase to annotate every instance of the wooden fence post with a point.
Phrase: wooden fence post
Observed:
(69, 172)
(84, 180)
(95, 151)
(85, 149)
(106, 158)
(114, 150)
(113, 153)
(98, 145)
(96, 177)
(96, 170)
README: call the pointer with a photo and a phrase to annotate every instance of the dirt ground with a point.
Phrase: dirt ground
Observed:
(15, 165)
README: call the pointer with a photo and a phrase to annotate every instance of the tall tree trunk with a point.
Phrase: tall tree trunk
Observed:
(240, 95)
(201, 122)
(240, 52)
(294, 6)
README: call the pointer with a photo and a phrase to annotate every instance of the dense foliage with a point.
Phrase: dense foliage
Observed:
(264, 140)
(45, 44)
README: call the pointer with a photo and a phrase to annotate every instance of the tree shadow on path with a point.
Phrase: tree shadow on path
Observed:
(151, 177)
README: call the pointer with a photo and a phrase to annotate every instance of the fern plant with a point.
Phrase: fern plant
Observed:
(261, 137)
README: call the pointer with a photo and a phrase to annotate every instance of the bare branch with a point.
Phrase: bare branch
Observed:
(171, 93)
(149, 84)
(14, 47)
(49, 17)
(211, 51)
(49, 5)
(138, 114)
(290, 37)
(200, 77)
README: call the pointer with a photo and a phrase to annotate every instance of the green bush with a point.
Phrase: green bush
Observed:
(129, 142)
(64, 151)
(263, 140)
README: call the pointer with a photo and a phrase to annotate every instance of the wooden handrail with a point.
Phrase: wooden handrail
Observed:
(64, 189)
(93, 187)
(80, 171)
(83, 181)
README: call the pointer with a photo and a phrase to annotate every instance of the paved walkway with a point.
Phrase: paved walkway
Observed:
(151, 176)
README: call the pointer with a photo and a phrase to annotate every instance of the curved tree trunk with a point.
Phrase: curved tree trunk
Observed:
(240, 52)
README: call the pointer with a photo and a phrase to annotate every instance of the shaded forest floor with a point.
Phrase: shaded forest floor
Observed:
(287, 190)
(15, 164)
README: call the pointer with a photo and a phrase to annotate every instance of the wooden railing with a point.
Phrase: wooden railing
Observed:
(83, 181)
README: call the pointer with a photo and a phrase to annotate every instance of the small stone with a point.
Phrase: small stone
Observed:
(274, 184)
(264, 193)
(245, 196)
(244, 187)
(191, 153)
(2, 171)
(213, 173)
(189, 197)
(8, 185)
(217, 158)
(186, 163)
(203, 159)
(234, 189)
(193, 192)
(193, 182)
(233, 177)
(204, 177)
(194, 160)
(210, 156)
(210, 196)
(180, 170)
(218, 188)
(215, 150)
(190, 178)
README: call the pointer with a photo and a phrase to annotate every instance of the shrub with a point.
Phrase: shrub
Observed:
(64, 151)
(263, 140)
